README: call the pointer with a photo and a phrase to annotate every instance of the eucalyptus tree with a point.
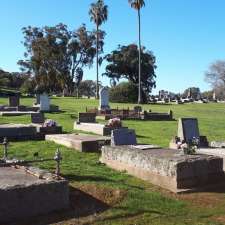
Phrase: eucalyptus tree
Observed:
(98, 14)
(137, 5)
(55, 56)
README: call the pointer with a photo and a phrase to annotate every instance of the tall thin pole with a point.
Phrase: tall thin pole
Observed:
(139, 67)
(97, 87)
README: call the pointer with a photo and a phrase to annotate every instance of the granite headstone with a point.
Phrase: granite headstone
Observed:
(123, 136)
(14, 101)
(37, 118)
(188, 129)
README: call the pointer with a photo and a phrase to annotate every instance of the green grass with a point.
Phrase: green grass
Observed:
(142, 202)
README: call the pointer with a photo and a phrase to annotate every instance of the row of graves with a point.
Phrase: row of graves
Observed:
(36, 130)
(14, 108)
(189, 164)
(105, 112)
(27, 191)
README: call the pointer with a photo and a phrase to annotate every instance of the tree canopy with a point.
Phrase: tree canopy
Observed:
(215, 76)
(123, 63)
(56, 56)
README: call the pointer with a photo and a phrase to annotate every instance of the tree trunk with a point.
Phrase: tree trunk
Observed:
(139, 58)
(97, 81)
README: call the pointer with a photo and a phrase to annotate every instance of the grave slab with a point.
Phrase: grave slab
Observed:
(17, 131)
(16, 113)
(24, 195)
(167, 168)
(82, 143)
(96, 128)
(217, 144)
(219, 152)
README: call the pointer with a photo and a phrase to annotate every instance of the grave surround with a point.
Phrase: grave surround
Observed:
(167, 168)
(24, 195)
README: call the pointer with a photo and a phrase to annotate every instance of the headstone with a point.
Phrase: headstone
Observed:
(37, 99)
(14, 101)
(44, 102)
(87, 118)
(188, 129)
(189, 93)
(37, 118)
(123, 136)
(104, 99)
(214, 96)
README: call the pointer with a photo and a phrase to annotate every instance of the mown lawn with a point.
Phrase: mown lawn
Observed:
(109, 197)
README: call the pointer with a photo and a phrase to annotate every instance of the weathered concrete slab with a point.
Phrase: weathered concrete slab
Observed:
(16, 113)
(24, 195)
(219, 152)
(96, 128)
(83, 143)
(217, 144)
(166, 167)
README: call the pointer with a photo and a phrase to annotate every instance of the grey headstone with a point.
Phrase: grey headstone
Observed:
(123, 136)
(37, 98)
(14, 101)
(188, 129)
(44, 102)
(87, 117)
(37, 118)
(104, 99)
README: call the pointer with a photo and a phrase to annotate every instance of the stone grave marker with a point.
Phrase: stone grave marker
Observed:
(37, 99)
(86, 118)
(104, 99)
(37, 118)
(44, 102)
(123, 136)
(14, 101)
(188, 128)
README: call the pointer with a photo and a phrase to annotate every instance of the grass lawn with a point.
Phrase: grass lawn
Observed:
(100, 195)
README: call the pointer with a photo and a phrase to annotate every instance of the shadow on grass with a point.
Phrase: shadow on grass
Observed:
(82, 204)
(77, 178)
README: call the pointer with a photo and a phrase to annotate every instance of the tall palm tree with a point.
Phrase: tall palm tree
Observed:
(137, 5)
(98, 14)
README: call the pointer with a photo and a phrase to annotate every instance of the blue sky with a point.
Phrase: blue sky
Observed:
(185, 36)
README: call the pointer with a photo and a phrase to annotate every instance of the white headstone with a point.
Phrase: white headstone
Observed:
(44, 102)
(104, 99)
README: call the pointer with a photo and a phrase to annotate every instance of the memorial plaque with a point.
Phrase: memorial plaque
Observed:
(37, 118)
(14, 101)
(188, 129)
(87, 118)
(123, 136)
